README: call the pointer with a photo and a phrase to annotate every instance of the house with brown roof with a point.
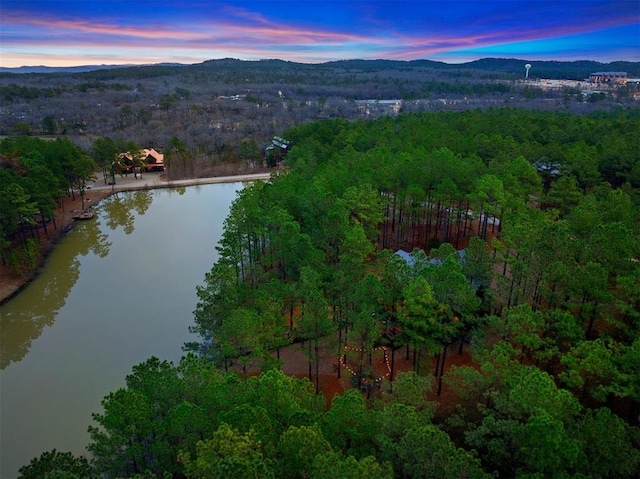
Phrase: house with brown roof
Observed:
(153, 160)
(150, 158)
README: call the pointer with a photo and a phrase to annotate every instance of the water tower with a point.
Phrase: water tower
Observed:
(527, 67)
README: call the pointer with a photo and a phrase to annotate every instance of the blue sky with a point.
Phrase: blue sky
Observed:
(80, 32)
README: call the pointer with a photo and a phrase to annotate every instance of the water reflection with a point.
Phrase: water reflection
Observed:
(119, 208)
(19, 327)
(105, 301)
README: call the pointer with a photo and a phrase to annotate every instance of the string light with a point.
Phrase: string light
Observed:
(343, 362)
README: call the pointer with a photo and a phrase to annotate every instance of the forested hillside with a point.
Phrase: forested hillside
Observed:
(212, 107)
(523, 234)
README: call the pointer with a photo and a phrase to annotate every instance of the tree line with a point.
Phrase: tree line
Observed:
(520, 236)
(152, 104)
(35, 177)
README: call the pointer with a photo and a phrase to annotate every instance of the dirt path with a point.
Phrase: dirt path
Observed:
(157, 180)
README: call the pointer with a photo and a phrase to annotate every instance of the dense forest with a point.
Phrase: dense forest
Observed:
(510, 233)
(35, 176)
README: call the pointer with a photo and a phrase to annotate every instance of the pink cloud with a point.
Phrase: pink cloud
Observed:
(263, 31)
(246, 34)
(414, 47)
(150, 32)
(278, 34)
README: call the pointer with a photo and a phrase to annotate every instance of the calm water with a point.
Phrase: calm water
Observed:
(118, 289)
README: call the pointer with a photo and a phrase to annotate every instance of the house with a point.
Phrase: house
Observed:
(417, 259)
(150, 158)
(153, 160)
(276, 151)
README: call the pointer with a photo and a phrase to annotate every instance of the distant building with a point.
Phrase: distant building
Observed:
(608, 77)
(152, 160)
(386, 107)
(418, 259)
(276, 151)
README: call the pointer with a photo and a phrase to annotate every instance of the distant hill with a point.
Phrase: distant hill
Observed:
(500, 67)
(75, 69)
(576, 70)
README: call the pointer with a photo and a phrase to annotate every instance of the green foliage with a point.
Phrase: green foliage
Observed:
(57, 465)
(227, 454)
(217, 298)
(548, 205)
(195, 421)
(426, 451)
(410, 389)
(298, 447)
(347, 425)
(249, 149)
(24, 260)
(21, 128)
(167, 101)
(550, 236)
(35, 174)
(49, 125)
(610, 446)
(332, 465)
(525, 420)
(591, 369)
(239, 335)
(288, 401)
(420, 312)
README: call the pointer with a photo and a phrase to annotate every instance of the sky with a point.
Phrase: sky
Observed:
(91, 32)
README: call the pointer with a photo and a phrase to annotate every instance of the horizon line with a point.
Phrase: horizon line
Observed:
(177, 63)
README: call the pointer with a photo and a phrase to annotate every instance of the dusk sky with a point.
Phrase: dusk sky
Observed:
(82, 32)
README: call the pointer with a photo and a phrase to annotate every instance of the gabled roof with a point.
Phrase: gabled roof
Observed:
(145, 154)
(158, 157)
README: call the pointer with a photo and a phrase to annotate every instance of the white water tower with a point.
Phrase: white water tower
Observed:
(527, 67)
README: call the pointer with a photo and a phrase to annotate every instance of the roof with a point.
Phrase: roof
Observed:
(280, 142)
(405, 256)
(146, 153)
(159, 157)
(411, 260)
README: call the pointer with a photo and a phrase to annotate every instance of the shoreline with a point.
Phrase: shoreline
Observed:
(10, 285)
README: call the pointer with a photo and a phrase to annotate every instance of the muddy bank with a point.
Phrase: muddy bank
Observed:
(10, 285)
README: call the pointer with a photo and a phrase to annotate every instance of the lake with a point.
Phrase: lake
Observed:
(115, 291)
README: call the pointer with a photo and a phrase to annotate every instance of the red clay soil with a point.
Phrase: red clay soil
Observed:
(295, 362)
(419, 237)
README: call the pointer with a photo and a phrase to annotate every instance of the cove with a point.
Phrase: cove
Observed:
(115, 291)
